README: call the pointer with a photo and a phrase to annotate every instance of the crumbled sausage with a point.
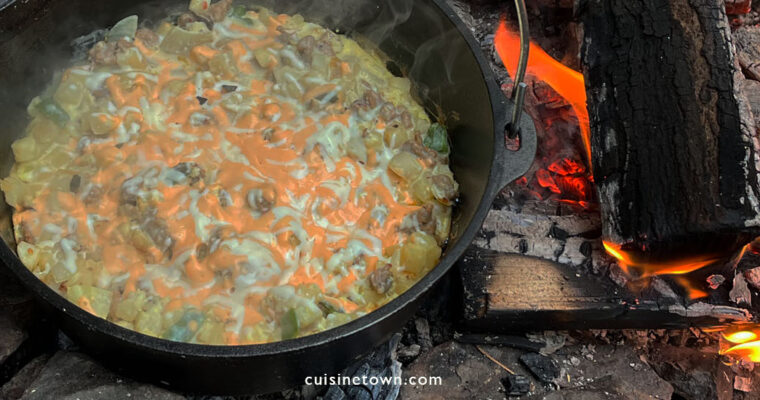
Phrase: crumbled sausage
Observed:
(427, 155)
(420, 220)
(218, 11)
(103, 53)
(369, 101)
(129, 194)
(286, 36)
(305, 48)
(406, 118)
(158, 231)
(444, 187)
(93, 195)
(185, 19)
(261, 199)
(148, 37)
(225, 200)
(191, 170)
(381, 279)
(388, 112)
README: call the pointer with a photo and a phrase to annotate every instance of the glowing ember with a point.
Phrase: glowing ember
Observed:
(566, 82)
(744, 343)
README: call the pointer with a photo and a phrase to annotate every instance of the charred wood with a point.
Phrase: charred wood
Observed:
(674, 152)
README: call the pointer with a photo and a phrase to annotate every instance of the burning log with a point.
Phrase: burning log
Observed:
(674, 157)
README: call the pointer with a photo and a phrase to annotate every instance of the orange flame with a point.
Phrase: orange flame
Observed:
(566, 82)
(744, 343)
(676, 267)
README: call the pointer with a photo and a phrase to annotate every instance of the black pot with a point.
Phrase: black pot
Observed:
(424, 38)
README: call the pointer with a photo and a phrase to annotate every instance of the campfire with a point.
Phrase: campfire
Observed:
(663, 256)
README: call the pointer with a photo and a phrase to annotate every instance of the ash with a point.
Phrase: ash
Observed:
(37, 361)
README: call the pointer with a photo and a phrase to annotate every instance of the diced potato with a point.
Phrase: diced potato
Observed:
(28, 253)
(373, 140)
(211, 332)
(128, 308)
(420, 253)
(149, 322)
(24, 149)
(356, 149)
(69, 94)
(131, 58)
(223, 65)
(92, 299)
(442, 216)
(421, 189)
(102, 123)
(308, 313)
(60, 270)
(43, 130)
(265, 58)
(395, 135)
(180, 41)
(406, 165)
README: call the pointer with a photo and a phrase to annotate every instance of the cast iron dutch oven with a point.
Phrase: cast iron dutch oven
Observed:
(424, 38)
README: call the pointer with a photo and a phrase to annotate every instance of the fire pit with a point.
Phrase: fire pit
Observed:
(638, 215)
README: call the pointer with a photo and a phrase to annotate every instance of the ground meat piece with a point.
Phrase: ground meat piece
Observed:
(185, 19)
(406, 118)
(93, 195)
(420, 220)
(428, 156)
(129, 194)
(369, 101)
(225, 200)
(444, 188)
(388, 112)
(103, 53)
(218, 11)
(381, 279)
(286, 36)
(261, 199)
(148, 37)
(191, 170)
(305, 48)
(325, 43)
(157, 230)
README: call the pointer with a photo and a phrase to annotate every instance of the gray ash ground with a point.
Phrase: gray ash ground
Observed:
(37, 361)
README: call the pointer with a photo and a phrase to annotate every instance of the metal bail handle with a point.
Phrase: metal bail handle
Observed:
(518, 93)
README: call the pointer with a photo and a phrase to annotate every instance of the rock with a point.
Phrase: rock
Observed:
(11, 336)
(516, 385)
(14, 389)
(380, 364)
(616, 370)
(407, 354)
(694, 374)
(544, 368)
(423, 333)
(740, 293)
(465, 373)
(70, 376)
